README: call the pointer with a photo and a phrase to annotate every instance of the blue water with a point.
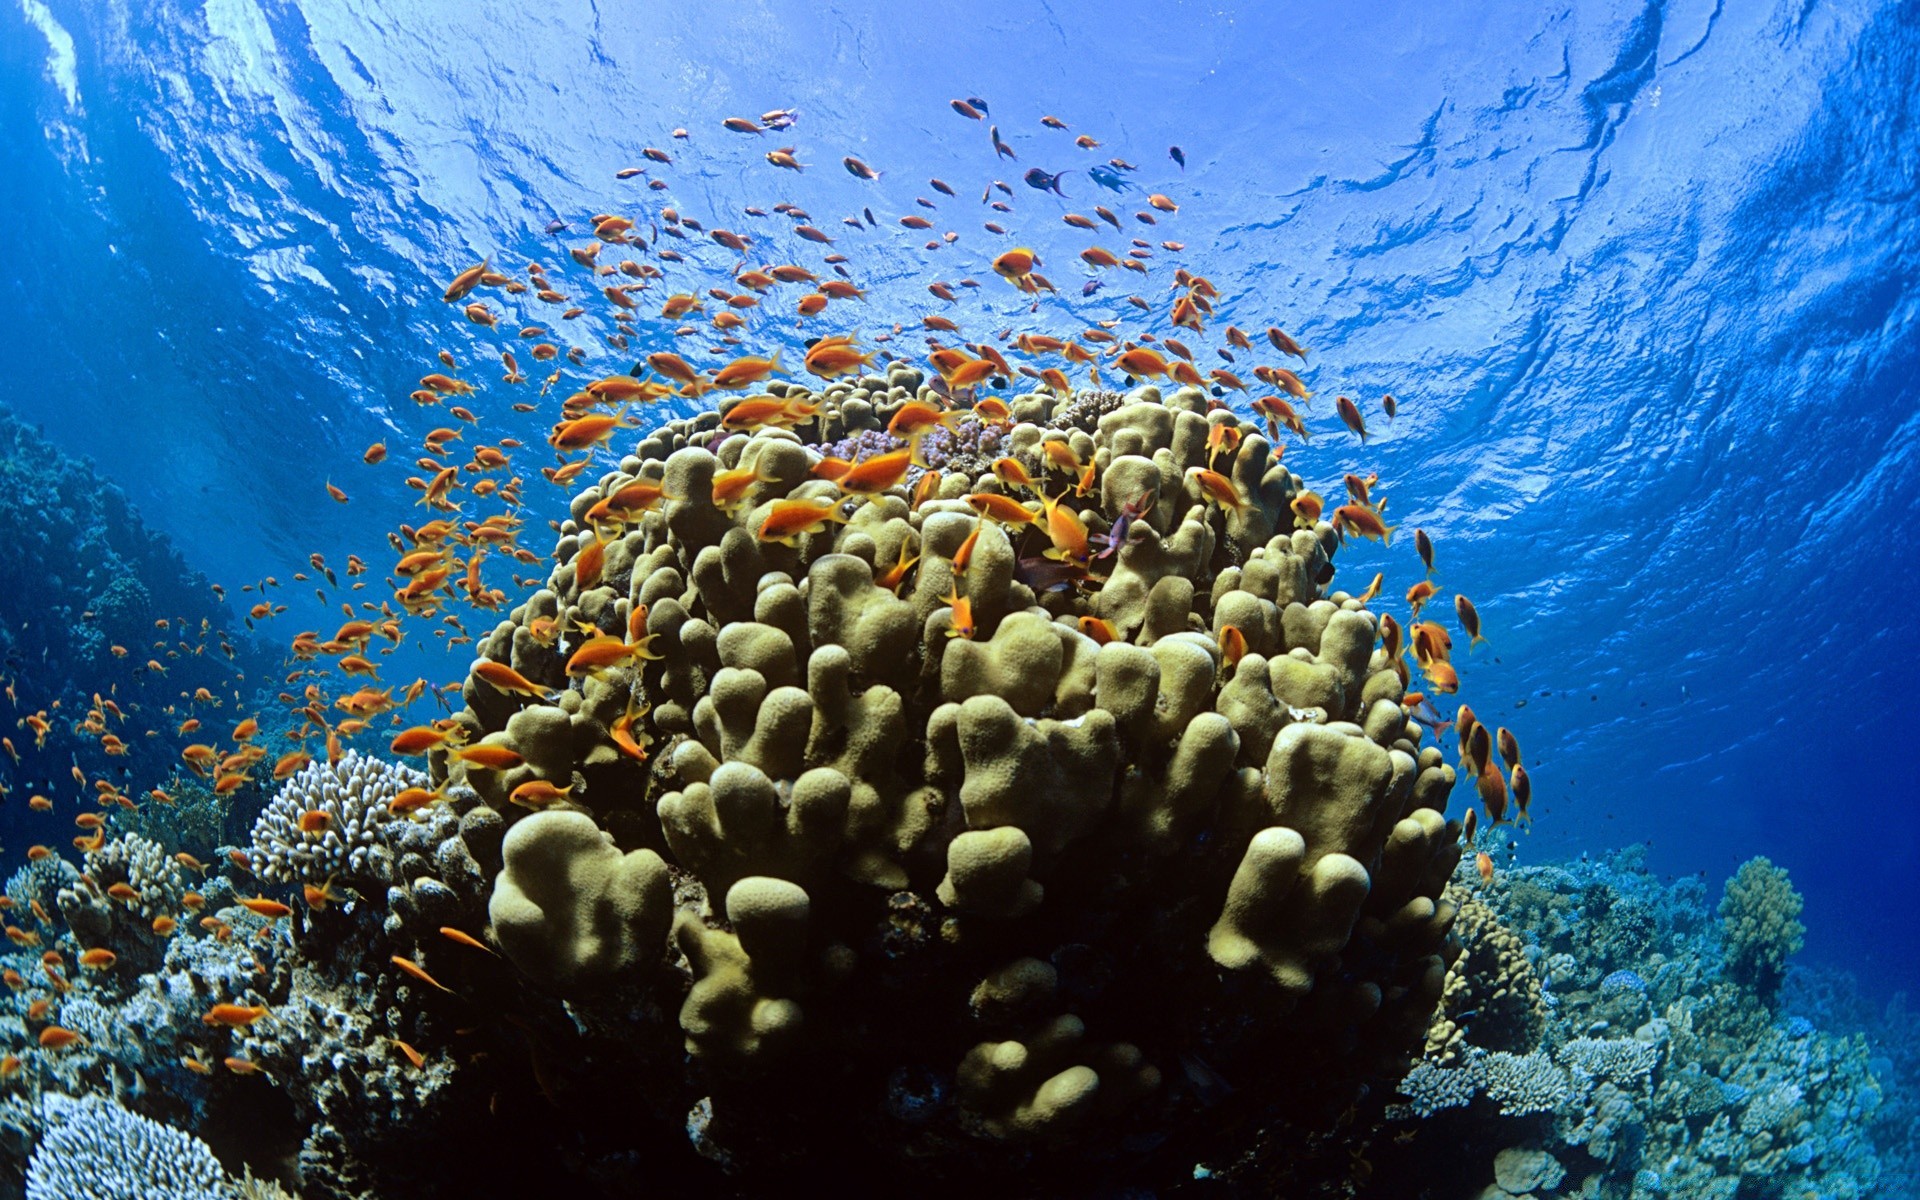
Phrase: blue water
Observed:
(1641, 276)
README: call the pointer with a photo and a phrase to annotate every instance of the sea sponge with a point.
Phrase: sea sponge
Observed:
(865, 803)
(570, 908)
(1760, 922)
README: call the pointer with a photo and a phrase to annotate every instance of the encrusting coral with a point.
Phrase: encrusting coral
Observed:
(1157, 763)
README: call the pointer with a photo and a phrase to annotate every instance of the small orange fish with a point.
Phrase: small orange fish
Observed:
(1418, 595)
(242, 1066)
(788, 520)
(98, 959)
(53, 1037)
(1143, 363)
(1522, 792)
(1222, 439)
(234, 1016)
(272, 910)
(1002, 510)
(488, 757)
(165, 925)
(10, 1066)
(961, 623)
(316, 821)
(1015, 264)
(1469, 619)
(422, 738)
(1483, 863)
(897, 574)
(1362, 521)
(418, 972)
(1101, 631)
(537, 794)
(1009, 471)
(412, 800)
(835, 356)
(1442, 677)
(318, 895)
(964, 555)
(1509, 747)
(1492, 786)
(1233, 645)
(124, 891)
(1217, 488)
(465, 939)
(501, 677)
(1350, 414)
(418, 1059)
(877, 474)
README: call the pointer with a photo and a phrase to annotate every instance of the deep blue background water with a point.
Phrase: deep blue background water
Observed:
(1642, 275)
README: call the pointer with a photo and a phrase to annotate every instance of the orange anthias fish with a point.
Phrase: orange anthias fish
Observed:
(1350, 414)
(748, 370)
(832, 357)
(961, 618)
(1469, 619)
(788, 520)
(234, 1016)
(537, 794)
(418, 972)
(488, 757)
(1143, 363)
(877, 474)
(1353, 518)
(1067, 531)
(1217, 489)
(465, 939)
(501, 677)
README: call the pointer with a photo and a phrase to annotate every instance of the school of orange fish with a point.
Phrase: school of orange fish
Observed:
(475, 497)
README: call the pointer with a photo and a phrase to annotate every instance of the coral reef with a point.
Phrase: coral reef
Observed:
(96, 1150)
(82, 584)
(817, 811)
(1090, 849)
(348, 840)
(1658, 1066)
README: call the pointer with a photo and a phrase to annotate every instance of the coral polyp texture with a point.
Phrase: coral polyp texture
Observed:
(987, 817)
(348, 840)
(96, 1150)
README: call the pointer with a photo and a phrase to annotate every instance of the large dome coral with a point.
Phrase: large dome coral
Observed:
(1100, 813)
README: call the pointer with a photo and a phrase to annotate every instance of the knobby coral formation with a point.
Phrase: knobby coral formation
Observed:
(985, 850)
